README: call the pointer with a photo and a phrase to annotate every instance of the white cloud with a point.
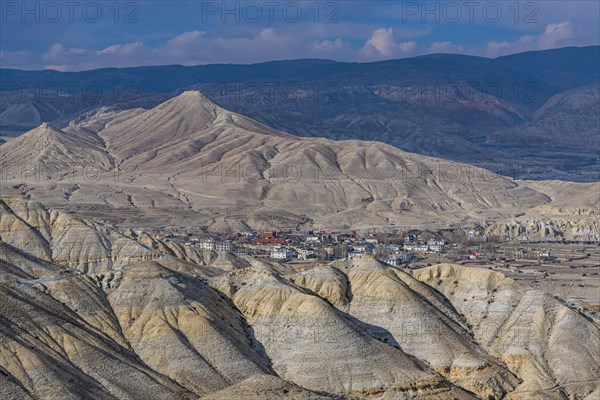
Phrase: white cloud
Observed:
(446, 47)
(188, 48)
(128, 48)
(337, 49)
(56, 51)
(197, 48)
(383, 44)
(329, 45)
(555, 35)
(264, 44)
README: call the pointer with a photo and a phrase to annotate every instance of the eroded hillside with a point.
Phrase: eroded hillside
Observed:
(138, 317)
(190, 160)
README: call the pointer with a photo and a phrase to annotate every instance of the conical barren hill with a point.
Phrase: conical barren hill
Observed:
(190, 158)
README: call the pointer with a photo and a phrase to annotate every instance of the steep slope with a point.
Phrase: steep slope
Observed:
(176, 119)
(565, 217)
(310, 343)
(54, 354)
(540, 339)
(28, 229)
(49, 153)
(266, 387)
(390, 299)
(170, 328)
(185, 330)
(189, 159)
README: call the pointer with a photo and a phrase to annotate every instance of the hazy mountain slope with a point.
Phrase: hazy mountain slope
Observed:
(567, 68)
(191, 158)
(21, 115)
(552, 126)
(451, 106)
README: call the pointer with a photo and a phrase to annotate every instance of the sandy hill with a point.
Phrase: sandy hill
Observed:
(530, 110)
(538, 337)
(225, 170)
(190, 160)
(142, 321)
(54, 153)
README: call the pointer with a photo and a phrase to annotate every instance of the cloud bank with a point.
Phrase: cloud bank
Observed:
(264, 44)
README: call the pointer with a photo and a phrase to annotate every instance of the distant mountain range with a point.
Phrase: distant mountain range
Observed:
(532, 115)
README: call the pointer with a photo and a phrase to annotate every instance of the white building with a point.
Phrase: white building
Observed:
(356, 254)
(207, 244)
(393, 260)
(435, 245)
(306, 252)
(435, 248)
(223, 246)
(422, 248)
(281, 254)
(435, 242)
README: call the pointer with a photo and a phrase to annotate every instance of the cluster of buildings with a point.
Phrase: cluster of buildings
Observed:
(431, 246)
(297, 245)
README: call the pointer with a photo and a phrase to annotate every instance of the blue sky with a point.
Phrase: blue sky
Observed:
(81, 35)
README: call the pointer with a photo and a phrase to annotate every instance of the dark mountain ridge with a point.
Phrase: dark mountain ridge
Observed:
(463, 108)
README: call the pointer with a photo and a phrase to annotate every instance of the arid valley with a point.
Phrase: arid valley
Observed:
(169, 240)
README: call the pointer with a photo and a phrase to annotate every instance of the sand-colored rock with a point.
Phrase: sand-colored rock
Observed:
(554, 349)
(170, 328)
(189, 159)
(314, 345)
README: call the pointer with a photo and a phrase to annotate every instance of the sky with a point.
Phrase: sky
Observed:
(69, 35)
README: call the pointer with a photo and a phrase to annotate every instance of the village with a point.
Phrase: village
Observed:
(569, 270)
(409, 249)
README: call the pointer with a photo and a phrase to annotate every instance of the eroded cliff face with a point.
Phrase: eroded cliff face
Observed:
(574, 228)
(140, 317)
(540, 339)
